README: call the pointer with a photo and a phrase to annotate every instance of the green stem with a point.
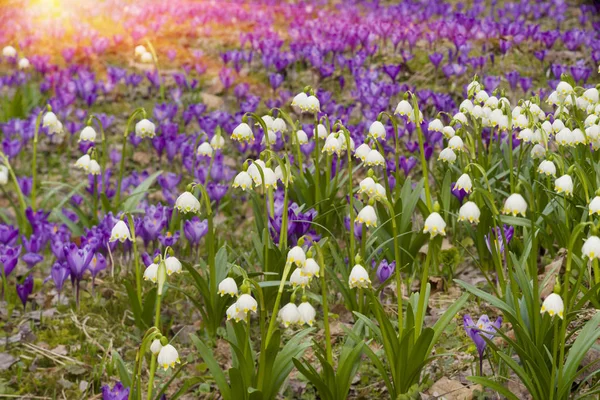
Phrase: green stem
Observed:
(104, 142)
(350, 194)
(422, 153)
(136, 258)
(161, 87)
(423, 291)
(22, 204)
(554, 360)
(324, 293)
(273, 322)
(34, 160)
(398, 267)
(284, 221)
(122, 163)
(317, 166)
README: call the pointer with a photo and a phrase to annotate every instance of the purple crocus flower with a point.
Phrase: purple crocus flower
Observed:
(78, 259)
(169, 239)
(477, 332)
(9, 256)
(97, 264)
(357, 228)
(118, 392)
(195, 229)
(497, 238)
(25, 289)
(8, 235)
(59, 274)
(385, 270)
(460, 194)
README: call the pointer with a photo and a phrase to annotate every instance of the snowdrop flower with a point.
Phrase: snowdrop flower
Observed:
(460, 117)
(321, 131)
(436, 126)
(139, 50)
(120, 232)
(403, 108)
(564, 184)
(145, 128)
(147, 58)
(296, 256)
(167, 357)
(538, 151)
(547, 168)
(151, 272)
(187, 202)
(456, 143)
(217, 142)
(564, 89)
(83, 162)
(466, 106)
(594, 207)
(173, 265)
(359, 277)
(299, 103)
(448, 132)
(94, 167)
(374, 158)
(515, 204)
(377, 131)
(332, 145)
(313, 105)
(464, 182)
(205, 149)
(367, 186)
(228, 286)
(469, 212)
(307, 313)
(9, 52)
(362, 152)
(367, 216)
(553, 305)
(310, 268)
(246, 303)
(242, 133)
(156, 346)
(565, 137)
(591, 248)
(447, 155)
(88, 134)
(23, 63)
(302, 137)
(3, 175)
(289, 315)
(234, 313)
(243, 181)
(435, 225)
(297, 279)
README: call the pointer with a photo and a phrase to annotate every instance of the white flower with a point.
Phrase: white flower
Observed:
(359, 277)
(448, 132)
(525, 135)
(167, 357)
(367, 186)
(447, 155)
(94, 167)
(321, 131)
(379, 192)
(547, 168)
(564, 184)
(565, 137)
(246, 303)
(332, 145)
(474, 87)
(557, 126)
(254, 172)
(411, 117)
(404, 108)
(591, 248)
(307, 313)
(234, 313)
(88, 134)
(187, 202)
(460, 117)
(242, 133)
(564, 89)
(9, 51)
(492, 102)
(243, 181)
(310, 268)
(377, 131)
(466, 106)
(456, 143)
(217, 142)
(147, 58)
(173, 265)
(481, 96)
(547, 128)
(279, 125)
(435, 225)
(591, 119)
(271, 135)
(296, 256)
(139, 50)
(228, 286)
(469, 212)
(299, 103)
(151, 272)
(521, 121)
(49, 119)
(362, 152)
(3, 175)
(515, 204)
(289, 315)
(83, 162)
(24, 63)
(553, 99)
(205, 149)
(594, 207)
(120, 232)
(302, 137)
(367, 216)
(313, 105)
(464, 183)
(477, 112)
(374, 158)
(155, 347)
(145, 128)
(298, 279)
(270, 178)
(436, 126)
(553, 305)
(538, 151)
(279, 173)
(578, 136)
(591, 95)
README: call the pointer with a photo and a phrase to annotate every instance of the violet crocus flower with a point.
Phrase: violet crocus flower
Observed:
(195, 229)
(477, 332)
(357, 228)
(385, 270)
(460, 194)
(496, 237)
(169, 239)
(8, 234)
(9, 256)
(78, 260)
(59, 274)
(25, 289)
(118, 392)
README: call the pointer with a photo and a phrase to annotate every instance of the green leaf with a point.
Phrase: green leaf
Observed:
(213, 367)
(124, 375)
(131, 202)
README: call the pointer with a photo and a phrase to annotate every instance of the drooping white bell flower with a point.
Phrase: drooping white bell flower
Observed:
(151, 273)
(307, 313)
(492, 102)
(217, 142)
(578, 137)
(120, 232)
(50, 119)
(538, 151)
(187, 202)
(411, 117)
(591, 119)
(24, 63)
(515, 204)
(3, 175)
(155, 347)
(469, 212)
(374, 158)
(474, 87)
(466, 106)
(332, 145)
(553, 305)
(377, 131)
(173, 265)
(289, 315)
(9, 52)
(313, 105)
(302, 137)
(83, 162)
(321, 131)
(464, 182)
(246, 303)
(270, 178)
(594, 207)
(362, 152)
(359, 277)
(379, 192)
(460, 117)
(242, 133)
(447, 155)
(547, 128)
(145, 128)
(168, 357)
(403, 108)
(271, 135)
(448, 132)
(233, 313)
(456, 143)
(279, 125)
(521, 121)
(435, 126)
(94, 167)
(88, 134)
(367, 216)
(564, 184)
(591, 248)
(564, 89)
(205, 149)
(557, 126)
(435, 225)
(592, 95)
(547, 168)
(477, 112)
(242, 181)
(139, 50)
(299, 103)
(367, 186)
(268, 120)
(298, 279)
(254, 172)
(565, 137)
(297, 256)
(525, 135)
(147, 58)
(310, 269)
(228, 287)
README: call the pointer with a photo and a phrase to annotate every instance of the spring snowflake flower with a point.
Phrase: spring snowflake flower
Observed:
(553, 305)
(469, 212)
(578, 136)
(147, 58)
(310, 268)
(374, 158)
(377, 131)
(564, 89)
(228, 286)
(591, 119)
(299, 103)
(557, 126)
(435, 126)
(367, 186)
(120, 232)
(246, 303)
(379, 192)
(525, 135)
(466, 106)
(173, 265)
(296, 256)
(464, 182)
(151, 272)
(332, 145)
(594, 207)
(362, 152)
(547, 168)
(254, 172)
(217, 142)
(270, 178)
(243, 181)
(83, 162)
(591, 248)
(321, 132)
(456, 143)
(313, 105)
(435, 225)
(187, 202)
(234, 313)
(242, 133)
(24, 63)
(205, 149)
(538, 151)
(271, 135)
(474, 87)
(298, 279)
(139, 50)
(492, 102)
(515, 204)
(359, 277)
(302, 137)
(168, 357)
(591, 95)
(3, 175)
(460, 117)
(9, 52)
(289, 315)
(564, 184)
(447, 155)
(88, 134)
(279, 125)
(367, 216)
(145, 129)
(307, 313)
(403, 108)
(155, 347)
(94, 167)
(521, 121)
(448, 132)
